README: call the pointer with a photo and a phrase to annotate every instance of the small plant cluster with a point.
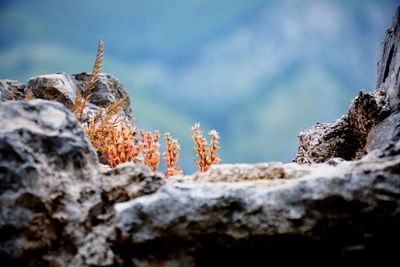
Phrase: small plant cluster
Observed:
(151, 148)
(171, 156)
(207, 154)
(116, 139)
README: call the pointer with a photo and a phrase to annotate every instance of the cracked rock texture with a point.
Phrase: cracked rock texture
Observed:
(60, 207)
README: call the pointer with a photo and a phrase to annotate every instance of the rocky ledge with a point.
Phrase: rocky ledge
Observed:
(338, 202)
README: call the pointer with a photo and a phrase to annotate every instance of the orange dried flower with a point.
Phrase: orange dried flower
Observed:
(207, 154)
(117, 141)
(171, 156)
(151, 148)
(121, 144)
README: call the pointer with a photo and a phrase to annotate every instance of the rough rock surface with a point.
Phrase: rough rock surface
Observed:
(60, 207)
(63, 88)
(11, 90)
(58, 87)
(54, 207)
(107, 89)
(348, 213)
(348, 137)
(327, 140)
(388, 78)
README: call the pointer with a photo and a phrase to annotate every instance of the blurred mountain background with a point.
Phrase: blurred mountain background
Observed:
(257, 71)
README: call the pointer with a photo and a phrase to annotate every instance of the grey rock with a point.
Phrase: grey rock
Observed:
(11, 90)
(325, 141)
(366, 111)
(245, 172)
(347, 211)
(348, 137)
(46, 193)
(63, 88)
(108, 89)
(385, 137)
(388, 71)
(55, 199)
(58, 87)
(128, 181)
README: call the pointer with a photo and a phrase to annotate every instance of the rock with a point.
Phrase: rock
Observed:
(388, 71)
(45, 192)
(62, 88)
(11, 90)
(327, 140)
(44, 169)
(348, 211)
(58, 87)
(128, 181)
(348, 137)
(244, 172)
(107, 89)
(385, 137)
(55, 200)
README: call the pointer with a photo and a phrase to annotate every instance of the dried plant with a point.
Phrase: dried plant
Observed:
(121, 145)
(171, 156)
(151, 148)
(112, 110)
(214, 158)
(207, 154)
(111, 135)
(11, 95)
(94, 76)
(116, 140)
(79, 105)
(81, 100)
(29, 94)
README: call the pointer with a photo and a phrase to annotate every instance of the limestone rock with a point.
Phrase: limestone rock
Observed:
(55, 199)
(388, 71)
(63, 88)
(325, 141)
(385, 137)
(231, 173)
(127, 181)
(11, 90)
(58, 87)
(343, 212)
(348, 137)
(107, 89)
(45, 189)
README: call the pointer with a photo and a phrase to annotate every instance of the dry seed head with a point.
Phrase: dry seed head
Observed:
(94, 76)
